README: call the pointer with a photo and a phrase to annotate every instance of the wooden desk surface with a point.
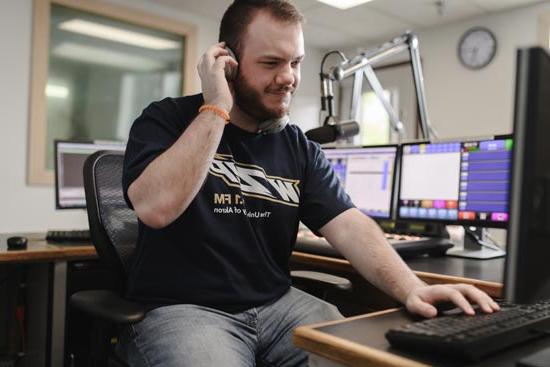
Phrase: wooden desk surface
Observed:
(360, 341)
(484, 274)
(38, 250)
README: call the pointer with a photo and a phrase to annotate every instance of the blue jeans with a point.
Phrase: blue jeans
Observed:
(191, 335)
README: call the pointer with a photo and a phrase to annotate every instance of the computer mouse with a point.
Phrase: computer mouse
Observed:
(17, 243)
(446, 308)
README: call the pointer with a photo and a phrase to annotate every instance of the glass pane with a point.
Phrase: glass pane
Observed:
(375, 123)
(102, 73)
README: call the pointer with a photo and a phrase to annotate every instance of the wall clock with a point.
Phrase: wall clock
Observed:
(477, 48)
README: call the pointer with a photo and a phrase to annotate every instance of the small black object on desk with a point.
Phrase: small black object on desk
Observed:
(17, 243)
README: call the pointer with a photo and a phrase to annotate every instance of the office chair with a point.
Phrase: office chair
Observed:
(113, 230)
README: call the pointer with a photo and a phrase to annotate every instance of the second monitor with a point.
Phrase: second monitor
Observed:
(464, 182)
(367, 175)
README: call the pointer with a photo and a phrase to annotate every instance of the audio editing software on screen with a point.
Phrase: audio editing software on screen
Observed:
(457, 181)
(367, 176)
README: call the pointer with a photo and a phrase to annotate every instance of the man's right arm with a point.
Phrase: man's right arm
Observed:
(169, 183)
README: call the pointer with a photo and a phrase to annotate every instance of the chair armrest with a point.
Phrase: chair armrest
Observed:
(322, 279)
(108, 306)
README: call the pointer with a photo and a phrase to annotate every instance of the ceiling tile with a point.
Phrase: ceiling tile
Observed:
(327, 26)
(425, 13)
(498, 5)
(361, 21)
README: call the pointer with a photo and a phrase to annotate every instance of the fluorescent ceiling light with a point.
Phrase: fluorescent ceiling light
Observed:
(101, 56)
(57, 91)
(118, 35)
(344, 4)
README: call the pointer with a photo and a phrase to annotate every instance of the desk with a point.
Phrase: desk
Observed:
(46, 290)
(360, 341)
(48, 276)
(484, 274)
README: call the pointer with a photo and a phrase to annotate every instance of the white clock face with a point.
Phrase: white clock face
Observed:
(476, 48)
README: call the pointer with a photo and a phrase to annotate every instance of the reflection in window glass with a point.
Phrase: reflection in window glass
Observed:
(102, 73)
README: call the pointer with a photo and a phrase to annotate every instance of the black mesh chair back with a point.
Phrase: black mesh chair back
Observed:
(113, 226)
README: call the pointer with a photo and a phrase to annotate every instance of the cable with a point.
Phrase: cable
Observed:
(340, 53)
(491, 238)
(327, 97)
(471, 233)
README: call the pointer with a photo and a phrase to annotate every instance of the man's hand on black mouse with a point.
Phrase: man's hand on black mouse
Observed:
(424, 300)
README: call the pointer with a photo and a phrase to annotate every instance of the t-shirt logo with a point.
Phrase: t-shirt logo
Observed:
(254, 182)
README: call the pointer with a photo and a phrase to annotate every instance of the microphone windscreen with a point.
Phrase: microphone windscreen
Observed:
(323, 134)
(346, 129)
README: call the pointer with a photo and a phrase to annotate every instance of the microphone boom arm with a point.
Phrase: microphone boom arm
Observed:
(362, 64)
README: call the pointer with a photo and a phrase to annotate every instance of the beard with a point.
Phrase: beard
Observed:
(249, 100)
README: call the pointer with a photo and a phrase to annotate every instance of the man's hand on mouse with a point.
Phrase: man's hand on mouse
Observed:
(215, 88)
(421, 299)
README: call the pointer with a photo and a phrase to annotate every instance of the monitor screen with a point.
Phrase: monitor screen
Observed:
(367, 175)
(527, 275)
(463, 182)
(69, 161)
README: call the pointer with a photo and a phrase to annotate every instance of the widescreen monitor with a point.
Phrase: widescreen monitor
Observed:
(527, 275)
(69, 162)
(367, 175)
(459, 182)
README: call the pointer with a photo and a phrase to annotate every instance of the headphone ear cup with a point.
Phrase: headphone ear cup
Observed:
(230, 70)
(273, 126)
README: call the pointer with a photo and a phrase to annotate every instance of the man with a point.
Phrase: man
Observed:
(219, 203)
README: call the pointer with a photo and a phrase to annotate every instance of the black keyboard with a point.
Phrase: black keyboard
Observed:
(472, 337)
(407, 246)
(74, 236)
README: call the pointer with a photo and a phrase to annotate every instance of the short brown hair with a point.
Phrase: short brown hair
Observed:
(240, 14)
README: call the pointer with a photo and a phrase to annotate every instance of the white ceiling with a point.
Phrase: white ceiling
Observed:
(331, 27)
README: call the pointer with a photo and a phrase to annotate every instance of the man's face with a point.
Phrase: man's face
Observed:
(269, 67)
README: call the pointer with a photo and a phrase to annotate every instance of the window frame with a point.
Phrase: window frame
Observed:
(544, 30)
(37, 173)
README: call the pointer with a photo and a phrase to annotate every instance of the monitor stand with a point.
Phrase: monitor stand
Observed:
(475, 247)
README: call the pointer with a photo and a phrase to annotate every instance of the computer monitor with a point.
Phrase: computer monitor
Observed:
(527, 275)
(458, 182)
(367, 175)
(69, 161)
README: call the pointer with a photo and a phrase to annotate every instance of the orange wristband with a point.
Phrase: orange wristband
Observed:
(218, 111)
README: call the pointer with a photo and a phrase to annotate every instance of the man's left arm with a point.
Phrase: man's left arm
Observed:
(362, 242)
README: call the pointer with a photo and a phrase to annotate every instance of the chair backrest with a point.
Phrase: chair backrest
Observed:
(113, 226)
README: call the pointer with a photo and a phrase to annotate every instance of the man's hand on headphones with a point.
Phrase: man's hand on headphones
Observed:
(215, 87)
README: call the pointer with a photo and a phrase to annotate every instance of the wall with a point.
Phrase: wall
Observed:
(462, 102)
(465, 103)
(31, 208)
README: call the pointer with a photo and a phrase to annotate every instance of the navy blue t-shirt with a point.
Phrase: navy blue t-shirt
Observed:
(230, 248)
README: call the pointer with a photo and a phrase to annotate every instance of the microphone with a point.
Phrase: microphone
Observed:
(327, 95)
(330, 133)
